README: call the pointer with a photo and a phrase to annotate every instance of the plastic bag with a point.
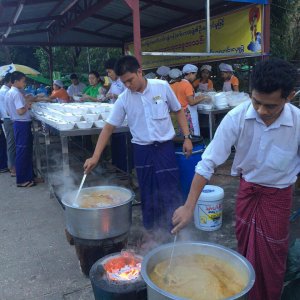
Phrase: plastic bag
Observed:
(292, 276)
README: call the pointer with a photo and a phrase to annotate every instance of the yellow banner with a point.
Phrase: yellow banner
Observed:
(238, 32)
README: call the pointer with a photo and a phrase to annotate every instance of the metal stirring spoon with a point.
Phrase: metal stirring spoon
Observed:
(170, 262)
(80, 187)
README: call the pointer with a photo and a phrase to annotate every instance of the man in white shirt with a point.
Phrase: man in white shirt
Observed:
(5, 164)
(147, 104)
(18, 110)
(76, 88)
(266, 135)
(117, 87)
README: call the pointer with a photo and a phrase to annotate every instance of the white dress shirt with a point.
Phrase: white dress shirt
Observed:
(3, 113)
(75, 90)
(265, 155)
(15, 100)
(147, 112)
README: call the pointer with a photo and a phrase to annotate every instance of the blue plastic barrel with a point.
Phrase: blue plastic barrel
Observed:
(187, 166)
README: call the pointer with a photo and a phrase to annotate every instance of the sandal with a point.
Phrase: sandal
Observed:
(38, 180)
(4, 170)
(26, 184)
(12, 172)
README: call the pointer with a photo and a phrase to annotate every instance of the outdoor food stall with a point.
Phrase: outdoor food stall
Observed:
(65, 121)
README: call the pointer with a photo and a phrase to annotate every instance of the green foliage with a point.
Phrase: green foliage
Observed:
(285, 29)
(18, 55)
(68, 60)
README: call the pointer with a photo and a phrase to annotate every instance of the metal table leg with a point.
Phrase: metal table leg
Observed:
(47, 144)
(65, 155)
(37, 149)
(211, 123)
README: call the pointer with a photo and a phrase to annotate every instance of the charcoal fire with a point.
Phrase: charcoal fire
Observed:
(123, 267)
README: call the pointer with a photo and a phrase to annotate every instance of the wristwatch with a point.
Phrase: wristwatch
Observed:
(188, 136)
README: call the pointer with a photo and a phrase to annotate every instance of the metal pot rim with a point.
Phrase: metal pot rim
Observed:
(100, 187)
(154, 251)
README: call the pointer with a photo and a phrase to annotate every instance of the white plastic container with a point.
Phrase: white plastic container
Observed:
(209, 208)
(105, 115)
(91, 117)
(65, 126)
(100, 123)
(84, 125)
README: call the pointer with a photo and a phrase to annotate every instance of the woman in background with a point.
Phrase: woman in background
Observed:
(205, 84)
(94, 91)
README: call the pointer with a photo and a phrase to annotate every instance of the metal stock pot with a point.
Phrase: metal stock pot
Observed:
(100, 222)
(188, 248)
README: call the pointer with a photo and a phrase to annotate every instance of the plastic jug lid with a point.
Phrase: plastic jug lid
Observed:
(212, 193)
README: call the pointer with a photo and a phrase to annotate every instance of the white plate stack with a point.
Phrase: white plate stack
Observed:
(220, 100)
(236, 98)
(206, 104)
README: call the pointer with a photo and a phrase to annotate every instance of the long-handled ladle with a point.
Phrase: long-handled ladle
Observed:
(166, 278)
(80, 187)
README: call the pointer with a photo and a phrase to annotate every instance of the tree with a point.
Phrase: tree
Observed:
(75, 59)
(285, 29)
(18, 55)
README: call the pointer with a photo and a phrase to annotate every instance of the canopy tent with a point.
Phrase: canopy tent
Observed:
(99, 23)
(102, 23)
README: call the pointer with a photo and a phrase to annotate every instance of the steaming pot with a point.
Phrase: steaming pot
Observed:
(101, 222)
(163, 252)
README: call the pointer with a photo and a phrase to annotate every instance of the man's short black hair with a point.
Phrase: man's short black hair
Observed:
(94, 73)
(7, 78)
(73, 76)
(110, 64)
(272, 75)
(126, 64)
(16, 75)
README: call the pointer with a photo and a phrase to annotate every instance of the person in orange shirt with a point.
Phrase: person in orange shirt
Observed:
(59, 93)
(185, 93)
(231, 82)
(205, 84)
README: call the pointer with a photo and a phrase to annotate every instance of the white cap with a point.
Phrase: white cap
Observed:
(163, 71)
(150, 75)
(206, 67)
(58, 83)
(225, 68)
(189, 69)
(175, 73)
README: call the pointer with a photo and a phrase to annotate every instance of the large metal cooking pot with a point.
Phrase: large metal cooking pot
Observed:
(98, 223)
(187, 248)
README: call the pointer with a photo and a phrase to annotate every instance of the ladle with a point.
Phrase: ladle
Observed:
(80, 187)
(166, 278)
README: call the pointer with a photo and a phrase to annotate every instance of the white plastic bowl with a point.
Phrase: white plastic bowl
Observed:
(84, 124)
(205, 106)
(71, 118)
(65, 126)
(95, 110)
(105, 115)
(91, 117)
(76, 98)
(222, 106)
(220, 99)
(100, 123)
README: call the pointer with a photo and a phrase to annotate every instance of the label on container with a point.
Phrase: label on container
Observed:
(209, 215)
